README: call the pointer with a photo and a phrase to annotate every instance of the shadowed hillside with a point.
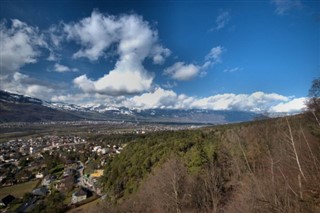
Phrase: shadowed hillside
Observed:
(26, 112)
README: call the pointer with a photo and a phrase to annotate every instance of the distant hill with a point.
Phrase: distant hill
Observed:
(19, 108)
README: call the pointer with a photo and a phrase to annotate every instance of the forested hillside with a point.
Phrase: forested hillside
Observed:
(263, 166)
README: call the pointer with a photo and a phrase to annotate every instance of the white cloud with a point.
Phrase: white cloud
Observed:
(182, 72)
(169, 85)
(25, 85)
(284, 6)
(19, 46)
(214, 56)
(159, 54)
(134, 41)
(259, 102)
(56, 35)
(235, 69)
(94, 34)
(38, 91)
(98, 32)
(116, 83)
(159, 98)
(52, 57)
(63, 68)
(294, 105)
(222, 20)
(255, 102)
(86, 99)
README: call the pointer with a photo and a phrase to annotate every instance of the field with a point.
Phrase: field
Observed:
(86, 207)
(18, 190)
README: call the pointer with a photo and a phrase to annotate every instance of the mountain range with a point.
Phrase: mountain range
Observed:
(20, 108)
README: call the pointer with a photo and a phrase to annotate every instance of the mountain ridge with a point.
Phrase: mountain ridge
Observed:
(20, 108)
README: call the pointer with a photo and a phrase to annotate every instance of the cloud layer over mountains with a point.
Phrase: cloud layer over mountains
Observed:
(130, 41)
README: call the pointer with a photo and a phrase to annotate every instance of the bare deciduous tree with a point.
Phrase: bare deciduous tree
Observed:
(314, 99)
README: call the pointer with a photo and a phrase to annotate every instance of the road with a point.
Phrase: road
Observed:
(81, 178)
(80, 170)
(81, 181)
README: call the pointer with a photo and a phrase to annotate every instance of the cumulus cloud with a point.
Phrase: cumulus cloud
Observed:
(157, 99)
(182, 71)
(284, 6)
(255, 102)
(159, 54)
(94, 34)
(63, 68)
(116, 83)
(160, 98)
(25, 85)
(222, 20)
(134, 40)
(20, 45)
(291, 106)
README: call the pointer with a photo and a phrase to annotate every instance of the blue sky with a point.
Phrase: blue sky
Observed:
(233, 55)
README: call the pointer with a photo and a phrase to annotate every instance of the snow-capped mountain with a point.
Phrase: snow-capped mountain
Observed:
(15, 98)
(16, 107)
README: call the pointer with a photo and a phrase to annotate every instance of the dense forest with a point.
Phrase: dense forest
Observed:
(270, 165)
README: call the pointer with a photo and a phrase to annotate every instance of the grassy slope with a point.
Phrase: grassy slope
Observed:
(86, 207)
(18, 190)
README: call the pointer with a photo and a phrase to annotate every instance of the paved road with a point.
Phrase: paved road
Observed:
(81, 179)
(80, 170)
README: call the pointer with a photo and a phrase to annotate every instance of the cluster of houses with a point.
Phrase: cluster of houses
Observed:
(65, 181)
(107, 150)
(13, 150)
(31, 156)
(21, 159)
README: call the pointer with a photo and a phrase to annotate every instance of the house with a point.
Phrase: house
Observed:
(48, 180)
(41, 191)
(7, 200)
(79, 195)
(39, 175)
(97, 173)
(2, 177)
(69, 172)
(66, 184)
